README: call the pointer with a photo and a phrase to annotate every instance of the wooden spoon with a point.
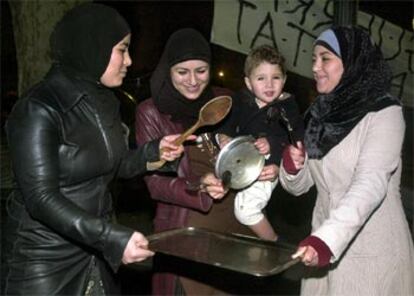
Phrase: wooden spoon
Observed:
(211, 113)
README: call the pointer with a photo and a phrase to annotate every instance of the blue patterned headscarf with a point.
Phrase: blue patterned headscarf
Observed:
(363, 88)
(328, 40)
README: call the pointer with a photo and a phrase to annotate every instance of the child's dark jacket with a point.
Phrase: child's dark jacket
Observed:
(246, 118)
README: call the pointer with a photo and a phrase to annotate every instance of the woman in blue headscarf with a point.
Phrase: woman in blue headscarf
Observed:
(360, 238)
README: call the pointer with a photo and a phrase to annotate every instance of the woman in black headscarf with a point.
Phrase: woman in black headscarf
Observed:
(180, 86)
(67, 144)
(360, 238)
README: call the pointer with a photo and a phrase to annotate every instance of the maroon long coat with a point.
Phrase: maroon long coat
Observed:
(174, 201)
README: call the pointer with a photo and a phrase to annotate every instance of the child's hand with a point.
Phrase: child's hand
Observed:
(213, 186)
(262, 145)
(269, 173)
(223, 140)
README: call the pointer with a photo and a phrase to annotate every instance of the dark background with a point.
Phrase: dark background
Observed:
(152, 22)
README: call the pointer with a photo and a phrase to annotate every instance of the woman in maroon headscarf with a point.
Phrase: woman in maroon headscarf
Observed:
(180, 86)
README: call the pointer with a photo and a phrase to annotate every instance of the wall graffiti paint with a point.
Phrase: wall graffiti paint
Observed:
(292, 27)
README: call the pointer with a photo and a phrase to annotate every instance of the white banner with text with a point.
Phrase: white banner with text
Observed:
(292, 27)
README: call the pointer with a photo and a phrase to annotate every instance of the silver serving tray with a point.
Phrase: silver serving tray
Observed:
(229, 251)
(242, 160)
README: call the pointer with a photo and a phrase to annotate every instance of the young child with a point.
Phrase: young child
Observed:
(256, 111)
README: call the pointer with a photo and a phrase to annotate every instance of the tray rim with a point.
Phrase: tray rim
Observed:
(242, 237)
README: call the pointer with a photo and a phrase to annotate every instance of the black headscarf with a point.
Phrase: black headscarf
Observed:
(183, 45)
(363, 88)
(83, 39)
(81, 45)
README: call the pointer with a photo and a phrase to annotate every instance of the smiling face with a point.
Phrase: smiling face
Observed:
(327, 69)
(119, 62)
(266, 81)
(190, 78)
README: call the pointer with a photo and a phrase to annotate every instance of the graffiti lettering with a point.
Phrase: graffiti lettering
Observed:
(291, 26)
(398, 82)
(268, 22)
(242, 4)
(410, 60)
(305, 6)
(302, 32)
(276, 5)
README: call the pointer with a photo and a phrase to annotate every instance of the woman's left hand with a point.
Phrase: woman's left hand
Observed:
(307, 255)
(170, 151)
(213, 186)
(269, 173)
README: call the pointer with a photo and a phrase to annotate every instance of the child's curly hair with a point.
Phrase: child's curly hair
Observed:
(263, 53)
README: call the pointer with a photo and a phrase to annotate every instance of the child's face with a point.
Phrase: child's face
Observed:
(266, 82)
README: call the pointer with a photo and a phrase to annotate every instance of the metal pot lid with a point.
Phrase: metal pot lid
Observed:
(239, 163)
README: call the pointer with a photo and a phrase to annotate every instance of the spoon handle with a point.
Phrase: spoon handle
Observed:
(154, 165)
(187, 133)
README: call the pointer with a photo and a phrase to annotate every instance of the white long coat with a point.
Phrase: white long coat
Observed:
(358, 211)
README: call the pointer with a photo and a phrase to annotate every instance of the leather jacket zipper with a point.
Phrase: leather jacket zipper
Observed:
(107, 144)
(89, 273)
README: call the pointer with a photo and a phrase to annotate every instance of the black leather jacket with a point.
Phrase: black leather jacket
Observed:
(64, 156)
